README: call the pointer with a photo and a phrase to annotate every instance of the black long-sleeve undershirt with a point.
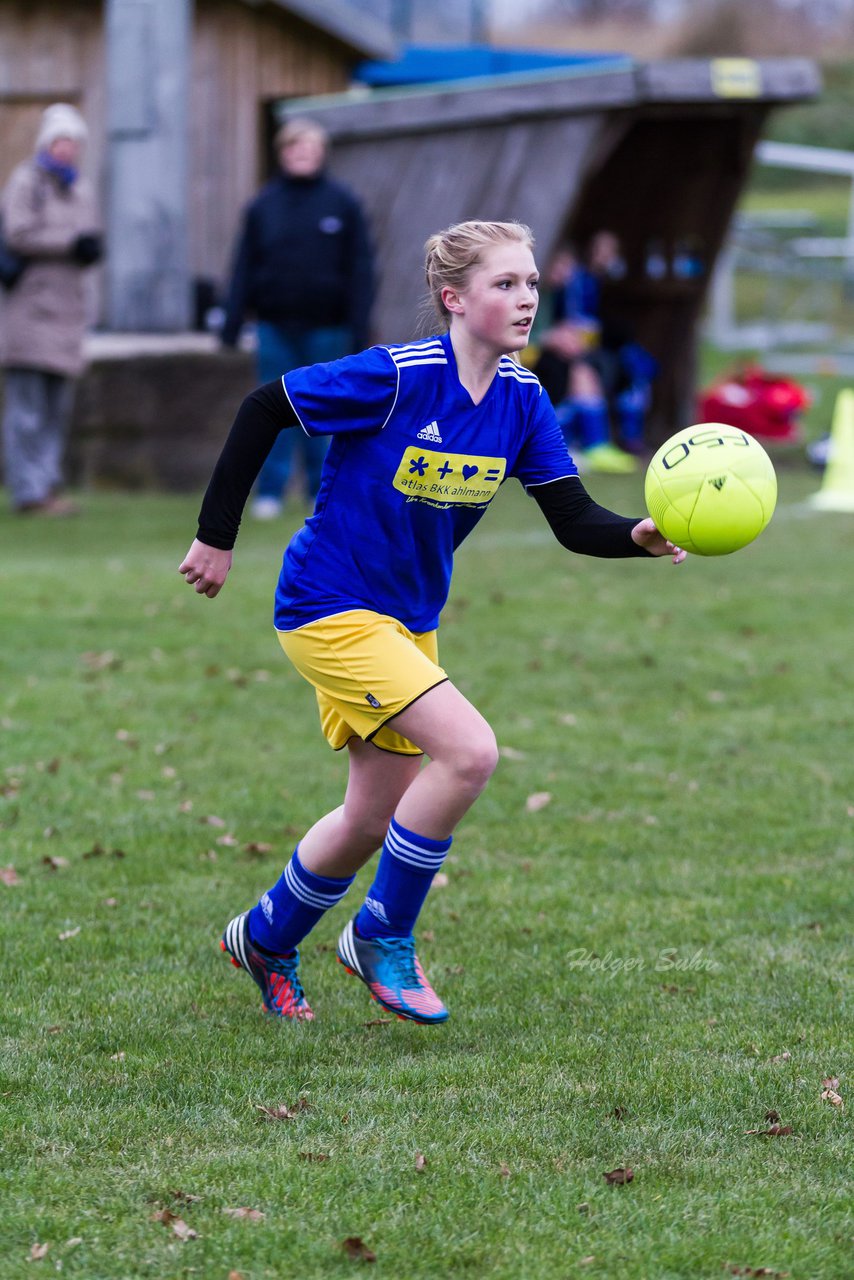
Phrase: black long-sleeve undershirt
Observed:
(581, 525)
(263, 414)
(578, 523)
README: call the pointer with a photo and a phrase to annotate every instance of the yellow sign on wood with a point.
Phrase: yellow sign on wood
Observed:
(736, 78)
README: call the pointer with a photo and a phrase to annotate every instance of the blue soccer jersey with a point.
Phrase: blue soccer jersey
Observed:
(412, 466)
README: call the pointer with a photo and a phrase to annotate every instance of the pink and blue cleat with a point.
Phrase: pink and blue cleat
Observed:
(277, 976)
(392, 972)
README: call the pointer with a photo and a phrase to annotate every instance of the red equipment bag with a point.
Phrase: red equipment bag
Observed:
(761, 403)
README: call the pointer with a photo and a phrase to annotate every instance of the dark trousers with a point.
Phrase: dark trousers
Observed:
(280, 348)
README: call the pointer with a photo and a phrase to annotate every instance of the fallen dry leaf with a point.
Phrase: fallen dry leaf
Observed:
(235, 1275)
(251, 1215)
(54, 862)
(9, 875)
(785, 1056)
(831, 1096)
(757, 1271)
(212, 821)
(771, 1116)
(503, 1170)
(510, 753)
(185, 1196)
(440, 880)
(314, 1157)
(282, 1111)
(377, 1022)
(538, 800)
(69, 933)
(98, 851)
(355, 1248)
(830, 1082)
(101, 662)
(619, 1113)
(182, 1231)
(618, 1177)
(585, 1262)
(175, 1224)
(420, 1162)
(257, 846)
(38, 1251)
(776, 1131)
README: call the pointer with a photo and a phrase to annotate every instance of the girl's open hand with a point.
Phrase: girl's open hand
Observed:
(647, 536)
(206, 568)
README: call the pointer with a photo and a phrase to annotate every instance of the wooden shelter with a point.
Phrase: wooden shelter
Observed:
(657, 152)
(210, 95)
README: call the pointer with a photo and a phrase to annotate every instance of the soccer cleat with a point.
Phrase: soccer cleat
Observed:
(391, 971)
(277, 976)
(266, 509)
(609, 459)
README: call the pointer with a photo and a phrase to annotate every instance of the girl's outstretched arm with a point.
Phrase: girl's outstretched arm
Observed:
(581, 525)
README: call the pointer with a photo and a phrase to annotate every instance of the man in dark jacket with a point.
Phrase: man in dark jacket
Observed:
(304, 268)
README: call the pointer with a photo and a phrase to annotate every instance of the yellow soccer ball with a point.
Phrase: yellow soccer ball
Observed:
(711, 489)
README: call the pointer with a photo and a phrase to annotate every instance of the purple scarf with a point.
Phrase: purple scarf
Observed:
(65, 174)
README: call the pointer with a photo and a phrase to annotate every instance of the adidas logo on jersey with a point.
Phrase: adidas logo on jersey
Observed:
(431, 433)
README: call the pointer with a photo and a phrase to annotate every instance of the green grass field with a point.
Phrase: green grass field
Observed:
(640, 972)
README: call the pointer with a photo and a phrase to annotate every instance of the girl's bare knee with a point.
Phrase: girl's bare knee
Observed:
(476, 760)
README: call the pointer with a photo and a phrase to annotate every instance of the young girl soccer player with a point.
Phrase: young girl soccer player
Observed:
(423, 435)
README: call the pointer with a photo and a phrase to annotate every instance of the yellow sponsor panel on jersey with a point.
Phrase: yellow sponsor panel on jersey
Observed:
(449, 478)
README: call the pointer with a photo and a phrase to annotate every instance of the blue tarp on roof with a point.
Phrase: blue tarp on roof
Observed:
(421, 64)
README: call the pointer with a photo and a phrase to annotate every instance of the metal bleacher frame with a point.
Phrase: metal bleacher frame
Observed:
(778, 247)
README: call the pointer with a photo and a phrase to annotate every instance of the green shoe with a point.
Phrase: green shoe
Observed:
(610, 460)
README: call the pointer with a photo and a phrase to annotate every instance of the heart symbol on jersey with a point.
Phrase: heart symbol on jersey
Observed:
(468, 472)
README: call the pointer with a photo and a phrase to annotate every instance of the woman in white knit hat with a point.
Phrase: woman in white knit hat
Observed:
(49, 219)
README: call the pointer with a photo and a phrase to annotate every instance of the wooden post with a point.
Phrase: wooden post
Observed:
(148, 71)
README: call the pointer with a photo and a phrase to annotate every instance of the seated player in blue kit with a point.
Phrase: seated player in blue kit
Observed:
(422, 436)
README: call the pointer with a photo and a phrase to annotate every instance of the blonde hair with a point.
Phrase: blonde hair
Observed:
(300, 127)
(452, 255)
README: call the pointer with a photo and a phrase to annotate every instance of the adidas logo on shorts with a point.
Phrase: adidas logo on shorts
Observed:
(431, 433)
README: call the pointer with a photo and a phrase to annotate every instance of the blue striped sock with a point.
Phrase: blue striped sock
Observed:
(407, 865)
(291, 909)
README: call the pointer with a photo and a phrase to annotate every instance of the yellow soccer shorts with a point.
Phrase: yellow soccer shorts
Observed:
(365, 668)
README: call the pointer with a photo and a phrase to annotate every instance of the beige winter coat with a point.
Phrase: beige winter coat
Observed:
(44, 316)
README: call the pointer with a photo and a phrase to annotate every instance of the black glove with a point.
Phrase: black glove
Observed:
(87, 249)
